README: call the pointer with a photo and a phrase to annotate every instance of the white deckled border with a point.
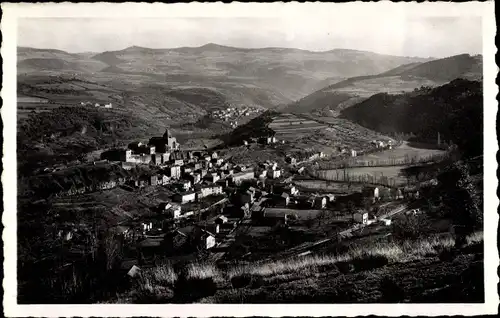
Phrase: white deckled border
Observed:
(397, 11)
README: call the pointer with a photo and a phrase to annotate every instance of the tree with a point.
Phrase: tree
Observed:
(461, 198)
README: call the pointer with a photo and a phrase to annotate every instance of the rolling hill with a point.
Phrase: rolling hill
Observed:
(263, 77)
(302, 134)
(31, 60)
(404, 78)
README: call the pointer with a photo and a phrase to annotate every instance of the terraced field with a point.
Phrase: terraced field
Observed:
(287, 126)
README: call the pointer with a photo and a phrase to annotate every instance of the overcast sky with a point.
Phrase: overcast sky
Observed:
(423, 36)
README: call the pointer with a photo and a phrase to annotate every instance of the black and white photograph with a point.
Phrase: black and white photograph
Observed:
(278, 154)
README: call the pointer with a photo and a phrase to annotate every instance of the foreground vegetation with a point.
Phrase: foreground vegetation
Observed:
(163, 283)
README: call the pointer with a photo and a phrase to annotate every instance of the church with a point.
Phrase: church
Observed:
(165, 143)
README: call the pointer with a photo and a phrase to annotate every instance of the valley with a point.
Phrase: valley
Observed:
(213, 174)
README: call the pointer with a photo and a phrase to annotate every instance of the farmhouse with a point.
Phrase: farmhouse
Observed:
(399, 194)
(360, 217)
(272, 216)
(330, 197)
(291, 160)
(386, 222)
(320, 202)
(171, 209)
(221, 219)
(185, 197)
(273, 174)
(207, 239)
(285, 198)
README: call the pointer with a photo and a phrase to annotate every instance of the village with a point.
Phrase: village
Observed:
(232, 114)
(214, 200)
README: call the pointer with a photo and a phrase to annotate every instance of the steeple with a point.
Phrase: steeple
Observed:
(167, 134)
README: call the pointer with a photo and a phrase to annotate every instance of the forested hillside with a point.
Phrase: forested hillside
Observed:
(455, 110)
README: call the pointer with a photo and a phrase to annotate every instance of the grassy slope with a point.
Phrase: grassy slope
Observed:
(320, 136)
(419, 271)
(404, 78)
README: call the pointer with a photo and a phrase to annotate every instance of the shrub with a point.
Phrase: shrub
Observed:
(408, 228)
(244, 280)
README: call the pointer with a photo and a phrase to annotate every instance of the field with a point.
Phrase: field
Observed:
(400, 153)
(305, 133)
(376, 165)
(288, 127)
(393, 173)
(326, 186)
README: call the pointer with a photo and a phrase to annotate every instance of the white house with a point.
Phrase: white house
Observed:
(147, 226)
(209, 190)
(399, 194)
(273, 174)
(354, 153)
(208, 239)
(286, 198)
(386, 222)
(221, 219)
(185, 197)
(109, 105)
(360, 217)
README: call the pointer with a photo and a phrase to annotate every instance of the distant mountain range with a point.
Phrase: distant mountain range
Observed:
(334, 98)
(263, 77)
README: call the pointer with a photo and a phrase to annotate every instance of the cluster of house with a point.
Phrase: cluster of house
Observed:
(295, 159)
(97, 105)
(201, 179)
(232, 112)
(380, 144)
(267, 140)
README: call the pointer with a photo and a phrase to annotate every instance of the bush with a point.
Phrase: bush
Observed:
(408, 228)
(244, 280)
